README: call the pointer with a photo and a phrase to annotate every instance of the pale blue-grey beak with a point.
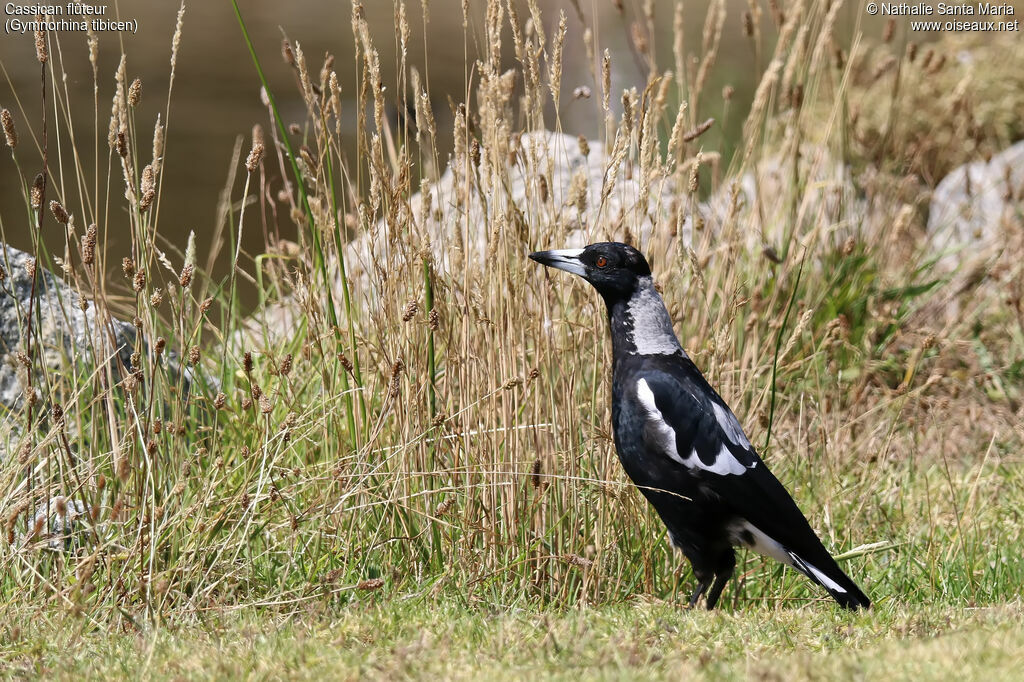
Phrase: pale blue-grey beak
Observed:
(562, 259)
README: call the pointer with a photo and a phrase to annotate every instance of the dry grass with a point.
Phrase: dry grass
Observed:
(430, 426)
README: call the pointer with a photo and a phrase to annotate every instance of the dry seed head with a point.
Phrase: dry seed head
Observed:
(38, 186)
(584, 145)
(185, 279)
(287, 53)
(89, 245)
(411, 308)
(206, 305)
(59, 213)
(10, 134)
(158, 426)
(266, 407)
(285, 367)
(158, 145)
(135, 92)
(30, 267)
(577, 560)
(40, 36)
(193, 355)
(606, 79)
(252, 162)
(127, 266)
(147, 187)
(371, 584)
(160, 345)
(345, 362)
(692, 135)
(535, 473)
(61, 504)
(57, 413)
(122, 143)
(139, 281)
(247, 362)
(434, 320)
(695, 173)
(890, 27)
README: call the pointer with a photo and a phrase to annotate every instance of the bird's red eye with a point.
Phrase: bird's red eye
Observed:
(601, 261)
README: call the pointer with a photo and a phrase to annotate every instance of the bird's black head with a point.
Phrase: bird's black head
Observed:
(613, 268)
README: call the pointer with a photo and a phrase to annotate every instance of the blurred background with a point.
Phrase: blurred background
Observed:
(216, 92)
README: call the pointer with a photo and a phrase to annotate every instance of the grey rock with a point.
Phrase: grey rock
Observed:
(65, 528)
(977, 207)
(63, 333)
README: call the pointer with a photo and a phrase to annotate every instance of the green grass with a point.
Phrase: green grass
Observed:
(422, 639)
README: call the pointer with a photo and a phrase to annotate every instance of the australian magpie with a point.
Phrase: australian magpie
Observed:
(681, 444)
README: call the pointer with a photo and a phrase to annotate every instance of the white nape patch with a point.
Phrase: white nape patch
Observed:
(730, 425)
(652, 328)
(761, 543)
(725, 462)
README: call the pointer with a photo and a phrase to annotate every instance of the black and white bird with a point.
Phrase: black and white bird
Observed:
(681, 444)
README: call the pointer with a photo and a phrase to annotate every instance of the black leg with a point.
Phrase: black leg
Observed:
(726, 564)
(702, 585)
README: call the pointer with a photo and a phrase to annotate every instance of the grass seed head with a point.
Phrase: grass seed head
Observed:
(139, 281)
(135, 92)
(38, 187)
(59, 213)
(252, 161)
(89, 245)
(10, 134)
(42, 56)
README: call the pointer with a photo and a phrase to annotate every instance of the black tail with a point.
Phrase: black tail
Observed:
(826, 572)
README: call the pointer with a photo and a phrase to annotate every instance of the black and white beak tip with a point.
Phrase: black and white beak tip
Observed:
(562, 259)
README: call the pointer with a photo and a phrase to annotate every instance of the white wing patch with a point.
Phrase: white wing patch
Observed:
(725, 462)
(728, 423)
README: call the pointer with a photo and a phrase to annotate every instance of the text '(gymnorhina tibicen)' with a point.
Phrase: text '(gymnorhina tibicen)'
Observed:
(681, 444)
